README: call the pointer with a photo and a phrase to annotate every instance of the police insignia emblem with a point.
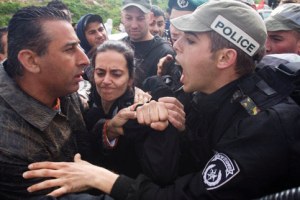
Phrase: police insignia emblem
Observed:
(219, 170)
(183, 3)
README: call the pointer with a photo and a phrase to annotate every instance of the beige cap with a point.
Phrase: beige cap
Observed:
(284, 18)
(143, 5)
(233, 20)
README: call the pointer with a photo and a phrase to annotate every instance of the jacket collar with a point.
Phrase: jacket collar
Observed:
(31, 110)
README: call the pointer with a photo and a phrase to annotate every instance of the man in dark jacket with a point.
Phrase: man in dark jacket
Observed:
(242, 136)
(40, 113)
(148, 49)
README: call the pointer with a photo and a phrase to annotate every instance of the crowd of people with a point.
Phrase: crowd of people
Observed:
(204, 108)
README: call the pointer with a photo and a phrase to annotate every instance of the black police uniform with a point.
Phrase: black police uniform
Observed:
(243, 142)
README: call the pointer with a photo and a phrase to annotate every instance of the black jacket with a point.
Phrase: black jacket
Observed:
(137, 151)
(147, 55)
(242, 142)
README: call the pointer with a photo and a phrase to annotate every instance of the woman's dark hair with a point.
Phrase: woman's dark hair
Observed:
(26, 31)
(120, 47)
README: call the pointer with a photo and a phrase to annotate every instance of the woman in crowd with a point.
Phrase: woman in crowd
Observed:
(112, 90)
(121, 146)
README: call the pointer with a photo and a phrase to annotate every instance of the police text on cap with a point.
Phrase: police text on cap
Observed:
(235, 35)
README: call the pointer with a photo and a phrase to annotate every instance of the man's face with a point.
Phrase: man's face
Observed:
(95, 33)
(157, 26)
(283, 42)
(199, 69)
(175, 33)
(4, 44)
(61, 68)
(136, 23)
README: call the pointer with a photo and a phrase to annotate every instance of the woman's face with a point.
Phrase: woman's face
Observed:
(111, 75)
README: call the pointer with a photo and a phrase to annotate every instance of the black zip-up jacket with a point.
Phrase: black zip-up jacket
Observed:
(242, 142)
(137, 151)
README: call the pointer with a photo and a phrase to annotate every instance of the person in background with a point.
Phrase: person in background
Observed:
(91, 32)
(157, 26)
(244, 139)
(40, 109)
(167, 24)
(283, 28)
(3, 43)
(60, 6)
(148, 49)
(288, 1)
(250, 3)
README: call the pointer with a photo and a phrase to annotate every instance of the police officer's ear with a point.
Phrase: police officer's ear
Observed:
(226, 58)
(29, 60)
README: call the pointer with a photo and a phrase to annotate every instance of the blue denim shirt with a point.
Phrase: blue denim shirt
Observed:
(32, 132)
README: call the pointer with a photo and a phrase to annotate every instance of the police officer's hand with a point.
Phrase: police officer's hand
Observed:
(154, 114)
(176, 114)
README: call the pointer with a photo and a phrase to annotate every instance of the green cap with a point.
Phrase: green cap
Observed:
(233, 20)
(143, 5)
(185, 5)
(285, 17)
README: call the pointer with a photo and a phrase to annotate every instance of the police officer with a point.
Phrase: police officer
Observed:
(283, 28)
(242, 134)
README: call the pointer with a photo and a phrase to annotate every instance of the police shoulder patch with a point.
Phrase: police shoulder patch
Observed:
(219, 170)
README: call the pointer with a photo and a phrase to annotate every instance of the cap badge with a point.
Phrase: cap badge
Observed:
(183, 3)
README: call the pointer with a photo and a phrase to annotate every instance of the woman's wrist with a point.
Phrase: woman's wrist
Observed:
(112, 131)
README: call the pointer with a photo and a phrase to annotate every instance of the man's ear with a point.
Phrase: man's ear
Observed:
(226, 58)
(28, 59)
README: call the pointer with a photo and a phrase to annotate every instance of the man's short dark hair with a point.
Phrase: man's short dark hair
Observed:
(245, 64)
(3, 31)
(25, 31)
(157, 11)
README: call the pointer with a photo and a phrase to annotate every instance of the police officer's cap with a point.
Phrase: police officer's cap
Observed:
(188, 5)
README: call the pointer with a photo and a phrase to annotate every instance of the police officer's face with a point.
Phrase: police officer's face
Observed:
(199, 69)
(283, 42)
